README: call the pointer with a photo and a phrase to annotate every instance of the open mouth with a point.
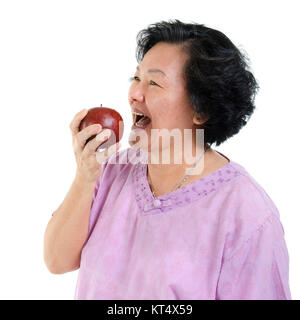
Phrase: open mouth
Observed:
(140, 120)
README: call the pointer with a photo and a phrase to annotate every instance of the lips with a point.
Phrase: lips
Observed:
(140, 119)
(134, 110)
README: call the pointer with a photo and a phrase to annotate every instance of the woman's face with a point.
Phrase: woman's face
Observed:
(161, 95)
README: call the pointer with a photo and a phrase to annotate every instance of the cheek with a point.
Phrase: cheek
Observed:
(168, 111)
(160, 108)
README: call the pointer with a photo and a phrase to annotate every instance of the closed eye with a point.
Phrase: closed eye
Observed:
(137, 79)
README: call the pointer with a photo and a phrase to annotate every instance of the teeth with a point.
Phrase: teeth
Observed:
(135, 114)
(139, 114)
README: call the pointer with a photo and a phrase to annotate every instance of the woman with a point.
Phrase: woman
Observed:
(173, 229)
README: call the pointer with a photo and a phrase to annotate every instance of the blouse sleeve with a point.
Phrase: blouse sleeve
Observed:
(259, 269)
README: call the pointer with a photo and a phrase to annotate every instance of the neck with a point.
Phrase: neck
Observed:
(166, 176)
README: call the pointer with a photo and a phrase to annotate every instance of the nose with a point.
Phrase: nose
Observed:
(136, 95)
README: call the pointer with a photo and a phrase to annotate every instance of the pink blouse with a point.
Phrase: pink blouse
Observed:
(219, 237)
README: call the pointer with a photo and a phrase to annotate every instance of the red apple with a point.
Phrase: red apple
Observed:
(109, 119)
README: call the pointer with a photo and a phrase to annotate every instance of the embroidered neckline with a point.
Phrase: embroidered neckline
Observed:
(185, 195)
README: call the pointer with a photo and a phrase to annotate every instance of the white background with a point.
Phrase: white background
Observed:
(58, 57)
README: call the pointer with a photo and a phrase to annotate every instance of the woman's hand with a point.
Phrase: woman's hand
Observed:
(89, 160)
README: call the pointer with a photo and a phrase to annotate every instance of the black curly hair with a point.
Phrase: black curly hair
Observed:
(220, 87)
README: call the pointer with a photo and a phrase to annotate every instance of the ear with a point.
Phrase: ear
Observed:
(198, 119)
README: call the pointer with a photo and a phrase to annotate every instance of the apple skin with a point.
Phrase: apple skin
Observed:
(109, 119)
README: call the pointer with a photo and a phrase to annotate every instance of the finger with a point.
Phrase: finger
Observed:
(87, 133)
(103, 155)
(95, 143)
(74, 125)
(112, 140)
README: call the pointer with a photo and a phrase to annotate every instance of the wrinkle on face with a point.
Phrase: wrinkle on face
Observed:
(168, 103)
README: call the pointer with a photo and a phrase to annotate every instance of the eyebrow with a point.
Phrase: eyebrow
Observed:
(153, 70)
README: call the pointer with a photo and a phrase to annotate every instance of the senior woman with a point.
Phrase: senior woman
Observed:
(144, 229)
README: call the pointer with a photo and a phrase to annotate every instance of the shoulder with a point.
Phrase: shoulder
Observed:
(250, 210)
(249, 198)
(252, 192)
(122, 163)
(117, 169)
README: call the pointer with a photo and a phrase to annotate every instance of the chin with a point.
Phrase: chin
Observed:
(138, 139)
